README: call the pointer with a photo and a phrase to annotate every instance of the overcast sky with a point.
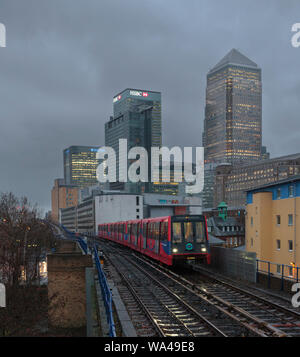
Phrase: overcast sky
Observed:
(66, 59)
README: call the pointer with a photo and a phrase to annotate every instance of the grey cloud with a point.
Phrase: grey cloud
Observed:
(66, 59)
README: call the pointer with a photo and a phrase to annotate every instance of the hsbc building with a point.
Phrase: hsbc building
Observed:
(137, 118)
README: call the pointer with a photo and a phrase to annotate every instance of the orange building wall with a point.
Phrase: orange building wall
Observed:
(62, 197)
(265, 231)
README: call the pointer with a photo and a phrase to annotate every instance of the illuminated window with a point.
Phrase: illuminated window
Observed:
(188, 232)
(177, 234)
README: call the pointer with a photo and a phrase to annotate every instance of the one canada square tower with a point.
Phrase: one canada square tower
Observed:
(233, 113)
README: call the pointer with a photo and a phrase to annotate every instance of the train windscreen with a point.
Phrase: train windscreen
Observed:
(188, 230)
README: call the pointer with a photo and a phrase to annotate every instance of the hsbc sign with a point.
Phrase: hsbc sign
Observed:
(138, 93)
(117, 98)
(135, 93)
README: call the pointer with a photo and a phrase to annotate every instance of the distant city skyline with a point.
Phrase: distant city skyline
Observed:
(64, 62)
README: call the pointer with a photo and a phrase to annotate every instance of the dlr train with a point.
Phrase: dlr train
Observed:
(168, 239)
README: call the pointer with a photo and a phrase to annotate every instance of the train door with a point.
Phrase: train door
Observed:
(150, 236)
(164, 237)
(157, 237)
(136, 234)
(145, 235)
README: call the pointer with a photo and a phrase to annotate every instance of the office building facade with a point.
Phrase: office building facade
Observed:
(80, 165)
(136, 118)
(232, 182)
(233, 124)
(233, 113)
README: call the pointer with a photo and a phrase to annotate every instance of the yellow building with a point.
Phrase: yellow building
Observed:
(273, 224)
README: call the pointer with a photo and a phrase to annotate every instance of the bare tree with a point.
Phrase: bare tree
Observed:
(24, 238)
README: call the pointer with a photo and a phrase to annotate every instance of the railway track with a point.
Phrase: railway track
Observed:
(273, 310)
(268, 317)
(233, 310)
(216, 321)
(168, 315)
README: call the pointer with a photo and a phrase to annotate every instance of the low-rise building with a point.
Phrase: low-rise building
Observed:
(159, 205)
(114, 206)
(273, 223)
(228, 229)
(102, 208)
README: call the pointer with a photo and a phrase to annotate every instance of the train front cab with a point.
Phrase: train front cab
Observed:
(189, 239)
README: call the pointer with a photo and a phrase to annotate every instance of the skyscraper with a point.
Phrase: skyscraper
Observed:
(233, 124)
(80, 165)
(137, 118)
(233, 116)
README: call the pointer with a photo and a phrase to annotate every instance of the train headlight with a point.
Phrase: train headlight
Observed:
(203, 249)
(175, 250)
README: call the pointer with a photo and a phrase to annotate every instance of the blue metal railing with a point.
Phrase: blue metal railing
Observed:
(79, 239)
(281, 271)
(82, 244)
(106, 293)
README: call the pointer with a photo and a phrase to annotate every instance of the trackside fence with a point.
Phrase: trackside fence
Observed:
(284, 274)
(79, 239)
(106, 293)
(234, 263)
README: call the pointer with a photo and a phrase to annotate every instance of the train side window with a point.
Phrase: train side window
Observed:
(159, 231)
(156, 230)
(145, 230)
(177, 232)
(200, 232)
(160, 226)
(136, 228)
(137, 233)
(149, 230)
(164, 231)
(145, 235)
(151, 233)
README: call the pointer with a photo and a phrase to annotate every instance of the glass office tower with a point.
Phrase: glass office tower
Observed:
(233, 115)
(137, 118)
(233, 123)
(80, 165)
